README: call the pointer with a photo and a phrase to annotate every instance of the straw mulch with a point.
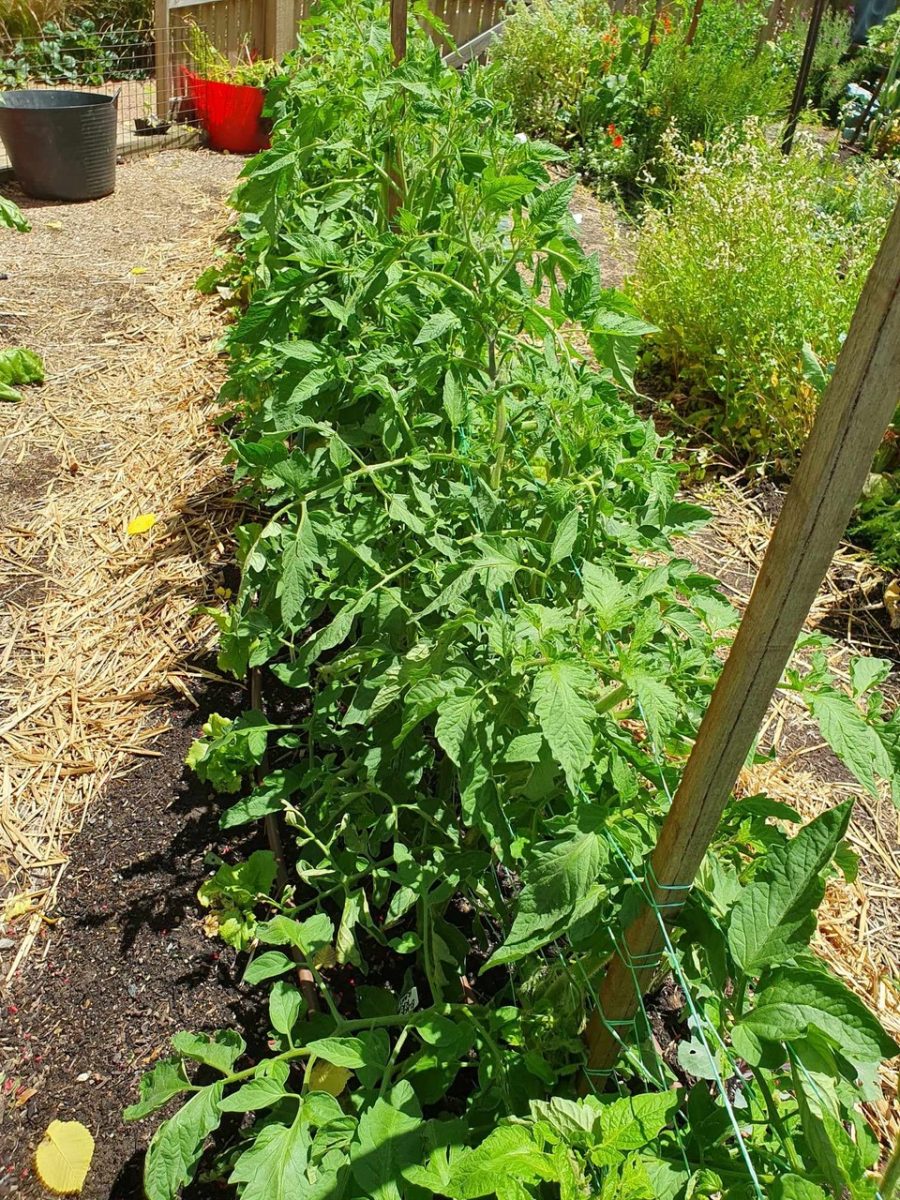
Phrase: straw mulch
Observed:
(858, 923)
(98, 627)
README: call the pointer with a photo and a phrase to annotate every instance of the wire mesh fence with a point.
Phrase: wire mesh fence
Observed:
(120, 62)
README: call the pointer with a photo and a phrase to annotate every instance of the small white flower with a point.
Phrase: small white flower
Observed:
(521, 137)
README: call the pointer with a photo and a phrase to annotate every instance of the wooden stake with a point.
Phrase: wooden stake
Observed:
(857, 407)
(395, 188)
(163, 59)
(398, 28)
(809, 49)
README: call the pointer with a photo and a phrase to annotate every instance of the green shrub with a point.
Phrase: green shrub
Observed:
(877, 523)
(545, 61)
(27, 18)
(82, 54)
(722, 79)
(757, 256)
(579, 73)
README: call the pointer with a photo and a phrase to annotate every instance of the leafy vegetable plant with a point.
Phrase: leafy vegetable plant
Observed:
(489, 665)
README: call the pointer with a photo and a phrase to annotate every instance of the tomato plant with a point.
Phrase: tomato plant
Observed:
(485, 665)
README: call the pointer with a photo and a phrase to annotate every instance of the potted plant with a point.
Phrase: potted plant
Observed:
(228, 96)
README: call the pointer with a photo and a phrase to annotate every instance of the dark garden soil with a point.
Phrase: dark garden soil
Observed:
(123, 966)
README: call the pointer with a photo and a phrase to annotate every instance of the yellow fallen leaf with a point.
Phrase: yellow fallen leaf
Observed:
(139, 270)
(54, 224)
(17, 908)
(141, 524)
(326, 1077)
(63, 1158)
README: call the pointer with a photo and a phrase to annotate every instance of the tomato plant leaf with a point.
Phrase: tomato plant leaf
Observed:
(773, 918)
(175, 1148)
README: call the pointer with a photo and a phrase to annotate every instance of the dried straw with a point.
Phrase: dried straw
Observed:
(99, 626)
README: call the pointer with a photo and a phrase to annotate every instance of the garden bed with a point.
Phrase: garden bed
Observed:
(128, 963)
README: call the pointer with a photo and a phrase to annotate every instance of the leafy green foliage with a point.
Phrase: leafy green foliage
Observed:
(751, 274)
(610, 84)
(12, 217)
(18, 366)
(492, 664)
(84, 52)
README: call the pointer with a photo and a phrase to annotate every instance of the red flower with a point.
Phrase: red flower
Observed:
(617, 141)
(611, 130)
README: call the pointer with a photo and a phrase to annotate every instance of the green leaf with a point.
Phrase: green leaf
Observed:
(557, 879)
(436, 326)
(813, 371)
(387, 1141)
(795, 1187)
(274, 1168)
(509, 1153)
(268, 797)
(219, 1050)
(307, 936)
(551, 204)
(340, 1052)
(266, 966)
(12, 216)
(696, 1059)
(345, 942)
(18, 365)
(157, 1087)
(286, 1006)
(566, 534)
(612, 602)
(830, 1154)
(298, 560)
(454, 400)
(796, 1000)
(502, 193)
(455, 714)
(565, 716)
(656, 702)
(257, 1094)
(851, 737)
(775, 916)
(175, 1149)
(635, 1121)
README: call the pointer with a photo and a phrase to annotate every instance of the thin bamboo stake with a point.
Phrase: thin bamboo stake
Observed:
(856, 409)
(809, 49)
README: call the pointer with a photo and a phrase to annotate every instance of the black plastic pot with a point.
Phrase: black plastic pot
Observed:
(62, 145)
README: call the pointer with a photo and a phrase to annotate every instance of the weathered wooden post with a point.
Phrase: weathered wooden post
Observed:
(163, 58)
(855, 411)
(399, 10)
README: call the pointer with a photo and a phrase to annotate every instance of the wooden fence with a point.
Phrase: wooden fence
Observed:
(269, 28)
